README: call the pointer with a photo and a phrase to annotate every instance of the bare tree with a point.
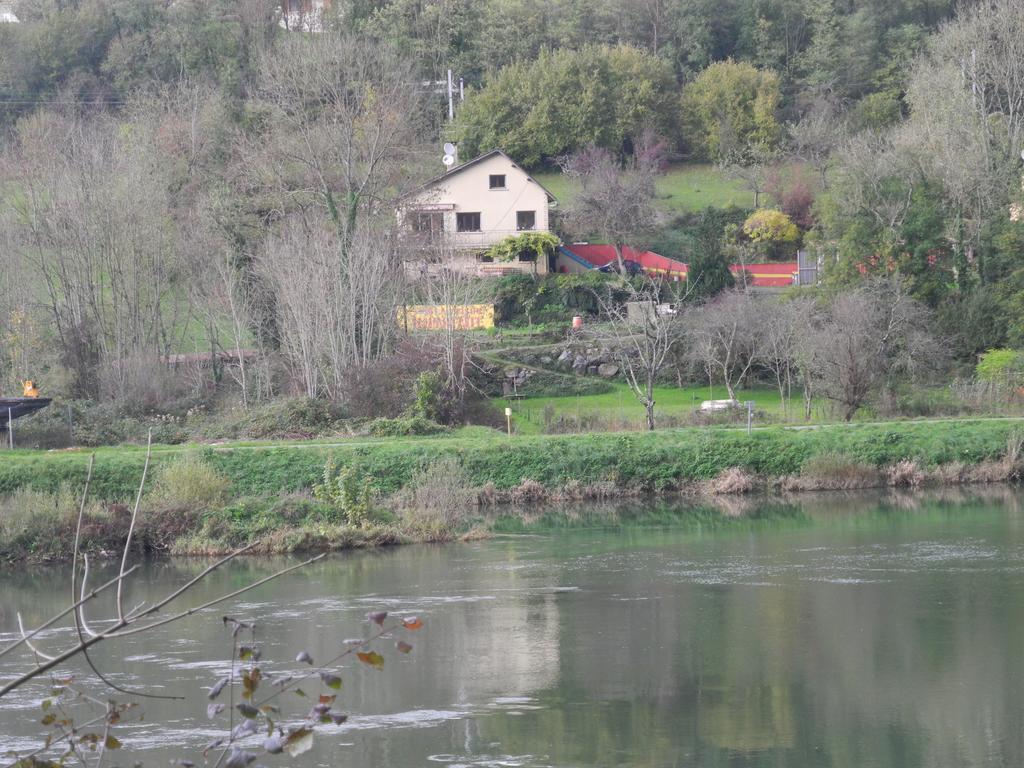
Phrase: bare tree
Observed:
(346, 117)
(817, 135)
(640, 334)
(451, 291)
(872, 335)
(728, 337)
(92, 223)
(788, 326)
(753, 166)
(336, 301)
(615, 200)
(874, 177)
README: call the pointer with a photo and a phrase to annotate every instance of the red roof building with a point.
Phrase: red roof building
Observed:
(580, 257)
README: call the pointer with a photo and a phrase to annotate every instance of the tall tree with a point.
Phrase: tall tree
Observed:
(345, 127)
(730, 108)
(92, 221)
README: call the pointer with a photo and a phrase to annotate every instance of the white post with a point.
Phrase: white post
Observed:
(508, 418)
(451, 102)
(10, 429)
(750, 414)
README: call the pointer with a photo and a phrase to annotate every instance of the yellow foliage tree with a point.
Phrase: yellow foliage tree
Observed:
(769, 225)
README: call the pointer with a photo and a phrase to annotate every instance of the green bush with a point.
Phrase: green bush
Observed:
(405, 426)
(1000, 366)
(188, 483)
(346, 488)
(519, 299)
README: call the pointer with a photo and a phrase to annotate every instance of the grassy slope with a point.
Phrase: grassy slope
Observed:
(650, 461)
(682, 189)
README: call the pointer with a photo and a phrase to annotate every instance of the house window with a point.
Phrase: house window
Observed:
(467, 222)
(428, 221)
(526, 219)
(497, 181)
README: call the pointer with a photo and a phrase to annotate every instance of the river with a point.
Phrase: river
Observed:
(829, 630)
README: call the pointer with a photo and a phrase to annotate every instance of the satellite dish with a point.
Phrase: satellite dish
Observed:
(448, 160)
(449, 148)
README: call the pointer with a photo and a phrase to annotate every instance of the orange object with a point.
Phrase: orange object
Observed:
(30, 389)
(577, 322)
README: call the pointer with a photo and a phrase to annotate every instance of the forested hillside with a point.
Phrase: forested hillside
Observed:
(193, 177)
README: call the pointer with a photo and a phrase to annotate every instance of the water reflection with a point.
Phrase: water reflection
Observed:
(822, 630)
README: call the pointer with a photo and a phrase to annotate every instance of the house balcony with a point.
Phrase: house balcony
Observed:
(482, 240)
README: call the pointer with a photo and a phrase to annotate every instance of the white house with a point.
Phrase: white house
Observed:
(478, 203)
(304, 15)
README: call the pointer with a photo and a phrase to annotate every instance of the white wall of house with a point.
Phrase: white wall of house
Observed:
(502, 209)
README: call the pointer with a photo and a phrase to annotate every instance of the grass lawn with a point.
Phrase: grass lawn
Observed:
(682, 189)
(621, 405)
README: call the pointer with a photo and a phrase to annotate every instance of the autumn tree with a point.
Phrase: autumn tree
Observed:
(335, 299)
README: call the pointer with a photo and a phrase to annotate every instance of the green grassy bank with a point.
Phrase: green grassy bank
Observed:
(640, 461)
(205, 500)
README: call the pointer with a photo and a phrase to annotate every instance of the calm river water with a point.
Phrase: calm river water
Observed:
(828, 631)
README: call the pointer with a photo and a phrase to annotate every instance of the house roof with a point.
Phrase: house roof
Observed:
(475, 161)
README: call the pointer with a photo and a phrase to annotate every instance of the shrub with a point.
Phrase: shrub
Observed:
(26, 509)
(732, 480)
(427, 397)
(1000, 366)
(905, 473)
(189, 483)
(834, 471)
(436, 499)
(346, 488)
(404, 426)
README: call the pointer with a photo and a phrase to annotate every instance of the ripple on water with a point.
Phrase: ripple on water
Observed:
(491, 761)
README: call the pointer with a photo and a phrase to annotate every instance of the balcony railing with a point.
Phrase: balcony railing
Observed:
(481, 240)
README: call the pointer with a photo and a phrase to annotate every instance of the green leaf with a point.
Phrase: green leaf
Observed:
(331, 681)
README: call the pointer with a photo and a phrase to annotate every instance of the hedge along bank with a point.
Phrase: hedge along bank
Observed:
(646, 462)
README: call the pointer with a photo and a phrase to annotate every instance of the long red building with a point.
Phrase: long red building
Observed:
(578, 257)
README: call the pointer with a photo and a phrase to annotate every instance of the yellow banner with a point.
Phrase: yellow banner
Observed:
(437, 317)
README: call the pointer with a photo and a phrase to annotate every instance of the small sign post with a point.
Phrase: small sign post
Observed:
(10, 428)
(508, 418)
(750, 414)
